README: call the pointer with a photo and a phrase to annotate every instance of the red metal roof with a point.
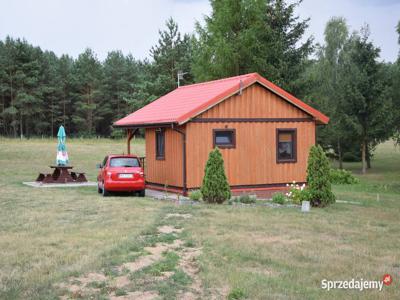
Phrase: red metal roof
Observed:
(186, 102)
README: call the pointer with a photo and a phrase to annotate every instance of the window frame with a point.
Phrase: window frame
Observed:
(293, 132)
(157, 132)
(227, 146)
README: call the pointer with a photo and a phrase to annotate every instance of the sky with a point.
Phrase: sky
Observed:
(69, 26)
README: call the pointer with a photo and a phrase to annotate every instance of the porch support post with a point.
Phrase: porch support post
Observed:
(183, 135)
(129, 135)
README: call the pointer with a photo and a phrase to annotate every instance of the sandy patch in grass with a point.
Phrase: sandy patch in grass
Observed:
(184, 216)
(189, 265)
(155, 255)
(121, 281)
(80, 285)
(165, 275)
(159, 248)
(72, 288)
(91, 277)
(139, 263)
(219, 293)
(169, 229)
(92, 283)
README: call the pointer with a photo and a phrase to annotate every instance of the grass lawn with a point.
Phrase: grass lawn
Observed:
(54, 241)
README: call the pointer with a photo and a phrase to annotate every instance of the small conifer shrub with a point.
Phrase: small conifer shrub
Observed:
(318, 178)
(215, 187)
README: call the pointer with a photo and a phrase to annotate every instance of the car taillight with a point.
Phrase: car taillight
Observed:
(109, 174)
(140, 173)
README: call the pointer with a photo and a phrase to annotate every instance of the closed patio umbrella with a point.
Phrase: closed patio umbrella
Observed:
(62, 155)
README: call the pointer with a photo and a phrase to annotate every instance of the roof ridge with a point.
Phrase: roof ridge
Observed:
(217, 80)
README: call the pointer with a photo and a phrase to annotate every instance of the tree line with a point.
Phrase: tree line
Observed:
(343, 76)
(39, 91)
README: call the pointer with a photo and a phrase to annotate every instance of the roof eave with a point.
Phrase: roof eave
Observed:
(144, 125)
(320, 117)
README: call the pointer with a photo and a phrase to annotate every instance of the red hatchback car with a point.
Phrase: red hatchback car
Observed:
(121, 173)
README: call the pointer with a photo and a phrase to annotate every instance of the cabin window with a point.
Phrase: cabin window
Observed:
(224, 138)
(286, 145)
(160, 144)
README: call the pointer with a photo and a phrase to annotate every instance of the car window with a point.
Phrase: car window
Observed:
(124, 162)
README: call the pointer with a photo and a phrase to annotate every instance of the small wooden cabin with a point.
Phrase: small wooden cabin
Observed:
(263, 132)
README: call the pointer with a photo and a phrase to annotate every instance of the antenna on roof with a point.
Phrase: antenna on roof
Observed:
(180, 76)
(240, 87)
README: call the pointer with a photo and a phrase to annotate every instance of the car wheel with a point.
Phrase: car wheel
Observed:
(142, 193)
(105, 192)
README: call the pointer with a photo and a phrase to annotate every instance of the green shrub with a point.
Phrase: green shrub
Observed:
(318, 178)
(341, 176)
(215, 187)
(247, 199)
(234, 199)
(195, 195)
(278, 198)
(243, 198)
(298, 194)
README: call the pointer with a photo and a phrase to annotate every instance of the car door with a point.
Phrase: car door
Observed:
(102, 171)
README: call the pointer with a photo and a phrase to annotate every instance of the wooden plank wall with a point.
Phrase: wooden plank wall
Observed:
(253, 161)
(255, 102)
(168, 171)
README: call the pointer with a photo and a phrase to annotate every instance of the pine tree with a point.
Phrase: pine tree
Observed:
(215, 187)
(51, 91)
(171, 55)
(28, 99)
(120, 75)
(318, 180)
(231, 40)
(87, 81)
(157, 77)
(65, 73)
(287, 47)
(251, 36)
(8, 69)
(142, 92)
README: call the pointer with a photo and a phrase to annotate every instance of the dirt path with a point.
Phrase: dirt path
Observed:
(140, 278)
(189, 266)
